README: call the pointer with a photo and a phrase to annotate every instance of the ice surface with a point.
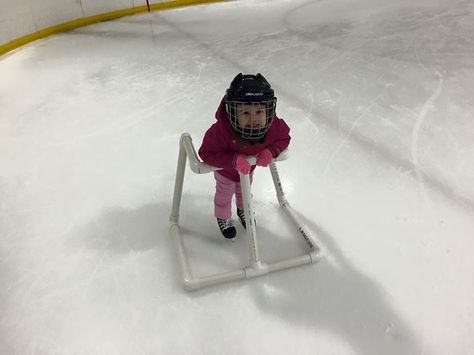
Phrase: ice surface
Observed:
(379, 96)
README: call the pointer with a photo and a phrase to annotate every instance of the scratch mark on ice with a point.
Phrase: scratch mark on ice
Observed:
(419, 122)
(346, 138)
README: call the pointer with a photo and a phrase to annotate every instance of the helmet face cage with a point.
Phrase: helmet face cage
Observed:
(234, 108)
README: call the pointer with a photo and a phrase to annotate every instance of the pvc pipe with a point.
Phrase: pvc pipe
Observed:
(194, 162)
(249, 218)
(178, 185)
(191, 284)
(306, 236)
(289, 212)
(183, 259)
(256, 267)
(278, 187)
(215, 279)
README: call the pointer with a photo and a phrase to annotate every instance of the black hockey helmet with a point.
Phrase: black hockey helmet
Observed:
(250, 89)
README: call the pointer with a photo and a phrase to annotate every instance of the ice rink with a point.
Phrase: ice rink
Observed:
(379, 96)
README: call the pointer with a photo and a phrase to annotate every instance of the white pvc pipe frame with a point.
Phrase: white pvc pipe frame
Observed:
(255, 267)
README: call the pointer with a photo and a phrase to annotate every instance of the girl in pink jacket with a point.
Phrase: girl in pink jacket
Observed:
(246, 125)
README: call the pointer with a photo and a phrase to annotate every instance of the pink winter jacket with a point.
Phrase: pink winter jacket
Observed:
(221, 144)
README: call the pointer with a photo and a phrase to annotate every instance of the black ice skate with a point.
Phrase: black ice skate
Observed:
(227, 228)
(241, 215)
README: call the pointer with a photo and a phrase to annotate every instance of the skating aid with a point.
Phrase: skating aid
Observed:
(256, 267)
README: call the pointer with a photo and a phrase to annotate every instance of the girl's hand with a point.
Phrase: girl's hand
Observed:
(242, 165)
(264, 158)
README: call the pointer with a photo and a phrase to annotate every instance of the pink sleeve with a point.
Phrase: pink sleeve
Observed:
(280, 137)
(215, 149)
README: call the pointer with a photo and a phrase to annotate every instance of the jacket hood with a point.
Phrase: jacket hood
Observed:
(221, 113)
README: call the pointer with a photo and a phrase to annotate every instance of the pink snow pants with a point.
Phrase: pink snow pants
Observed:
(225, 189)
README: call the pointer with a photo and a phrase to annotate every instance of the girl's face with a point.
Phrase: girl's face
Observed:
(251, 115)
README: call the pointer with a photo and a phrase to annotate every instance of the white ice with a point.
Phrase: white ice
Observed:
(379, 96)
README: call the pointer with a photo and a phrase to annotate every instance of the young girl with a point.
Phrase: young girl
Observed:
(246, 125)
